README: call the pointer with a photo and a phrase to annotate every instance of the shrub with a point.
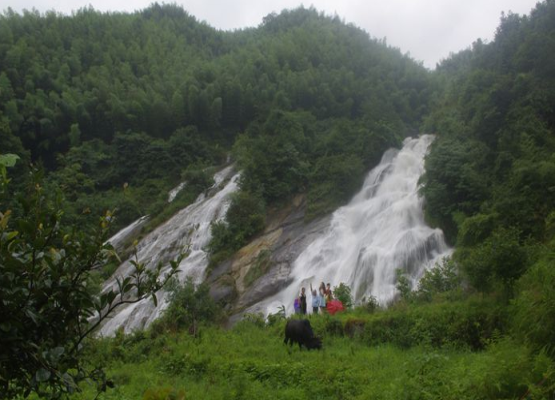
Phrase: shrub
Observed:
(255, 319)
(277, 316)
(500, 258)
(48, 307)
(333, 326)
(198, 178)
(534, 306)
(460, 324)
(369, 304)
(244, 219)
(441, 278)
(189, 306)
(354, 327)
(343, 294)
(403, 285)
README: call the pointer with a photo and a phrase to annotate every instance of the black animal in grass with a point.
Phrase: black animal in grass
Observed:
(299, 331)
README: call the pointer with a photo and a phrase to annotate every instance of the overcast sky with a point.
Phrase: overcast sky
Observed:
(427, 29)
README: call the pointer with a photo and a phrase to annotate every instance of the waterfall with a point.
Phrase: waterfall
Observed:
(175, 191)
(381, 230)
(190, 227)
(120, 238)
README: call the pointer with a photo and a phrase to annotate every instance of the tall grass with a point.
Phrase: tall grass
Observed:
(252, 362)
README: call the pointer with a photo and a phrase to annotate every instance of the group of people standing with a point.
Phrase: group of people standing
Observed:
(320, 298)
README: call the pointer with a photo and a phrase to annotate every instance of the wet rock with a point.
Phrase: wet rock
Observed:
(222, 293)
(262, 268)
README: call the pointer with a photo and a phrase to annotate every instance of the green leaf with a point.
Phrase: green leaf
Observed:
(56, 353)
(42, 375)
(8, 160)
(69, 382)
(34, 317)
(11, 235)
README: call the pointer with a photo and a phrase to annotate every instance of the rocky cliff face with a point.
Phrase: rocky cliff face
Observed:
(262, 268)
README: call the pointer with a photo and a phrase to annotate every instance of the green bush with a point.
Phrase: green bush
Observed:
(333, 326)
(279, 315)
(403, 285)
(245, 218)
(334, 180)
(443, 277)
(198, 177)
(189, 306)
(501, 258)
(342, 292)
(534, 306)
(254, 319)
(460, 324)
(369, 304)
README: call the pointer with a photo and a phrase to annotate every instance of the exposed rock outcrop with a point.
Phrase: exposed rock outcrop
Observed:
(262, 268)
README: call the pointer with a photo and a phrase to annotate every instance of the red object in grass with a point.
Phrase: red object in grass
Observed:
(334, 306)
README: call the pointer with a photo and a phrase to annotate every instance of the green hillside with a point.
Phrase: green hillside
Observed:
(102, 100)
(108, 111)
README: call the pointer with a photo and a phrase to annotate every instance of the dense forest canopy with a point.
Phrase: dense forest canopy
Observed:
(116, 109)
(490, 176)
(101, 100)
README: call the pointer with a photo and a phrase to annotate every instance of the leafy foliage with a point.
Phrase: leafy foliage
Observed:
(189, 306)
(489, 176)
(244, 219)
(534, 318)
(500, 258)
(430, 355)
(107, 100)
(403, 285)
(49, 306)
(443, 278)
(279, 315)
(342, 292)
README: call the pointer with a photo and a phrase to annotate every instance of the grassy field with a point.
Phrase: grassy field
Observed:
(359, 360)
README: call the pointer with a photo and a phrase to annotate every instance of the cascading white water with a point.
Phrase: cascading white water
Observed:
(189, 227)
(123, 235)
(175, 191)
(381, 230)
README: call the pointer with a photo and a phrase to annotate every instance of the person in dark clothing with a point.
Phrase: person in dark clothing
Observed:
(303, 301)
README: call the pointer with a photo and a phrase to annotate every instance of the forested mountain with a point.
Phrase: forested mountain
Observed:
(101, 100)
(496, 120)
(116, 109)
(490, 178)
